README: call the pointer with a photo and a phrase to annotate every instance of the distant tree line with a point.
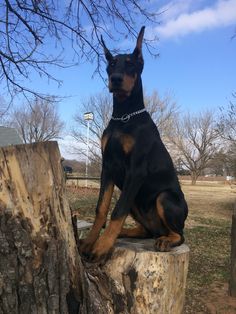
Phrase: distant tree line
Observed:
(199, 144)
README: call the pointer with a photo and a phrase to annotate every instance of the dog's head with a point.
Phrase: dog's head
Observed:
(124, 69)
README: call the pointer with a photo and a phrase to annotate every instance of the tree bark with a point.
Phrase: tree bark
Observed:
(232, 282)
(194, 177)
(40, 267)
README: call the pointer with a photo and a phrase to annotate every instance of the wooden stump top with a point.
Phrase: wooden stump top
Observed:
(147, 245)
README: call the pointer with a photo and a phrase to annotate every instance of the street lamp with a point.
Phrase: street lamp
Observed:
(88, 116)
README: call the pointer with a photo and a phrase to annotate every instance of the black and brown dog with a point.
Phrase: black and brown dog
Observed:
(137, 162)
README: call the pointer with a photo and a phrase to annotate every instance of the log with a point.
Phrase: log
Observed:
(40, 267)
(232, 282)
(148, 281)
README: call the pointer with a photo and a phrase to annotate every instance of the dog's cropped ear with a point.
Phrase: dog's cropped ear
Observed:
(108, 55)
(138, 48)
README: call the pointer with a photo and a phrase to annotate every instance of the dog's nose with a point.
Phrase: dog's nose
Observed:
(116, 78)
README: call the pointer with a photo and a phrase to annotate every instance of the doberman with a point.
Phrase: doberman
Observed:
(137, 162)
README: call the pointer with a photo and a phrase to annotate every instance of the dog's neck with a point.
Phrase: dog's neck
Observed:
(132, 103)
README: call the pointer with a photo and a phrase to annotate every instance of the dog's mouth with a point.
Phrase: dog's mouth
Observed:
(119, 93)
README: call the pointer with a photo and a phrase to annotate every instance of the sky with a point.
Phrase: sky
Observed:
(196, 63)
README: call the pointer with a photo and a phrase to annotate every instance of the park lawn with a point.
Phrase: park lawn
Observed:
(207, 233)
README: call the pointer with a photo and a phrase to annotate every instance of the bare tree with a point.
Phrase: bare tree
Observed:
(38, 121)
(227, 121)
(101, 106)
(162, 111)
(196, 140)
(28, 29)
(3, 109)
(226, 127)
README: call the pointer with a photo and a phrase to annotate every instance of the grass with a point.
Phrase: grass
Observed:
(209, 261)
(207, 233)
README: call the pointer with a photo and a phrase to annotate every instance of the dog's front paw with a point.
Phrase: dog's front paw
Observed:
(85, 247)
(101, 251)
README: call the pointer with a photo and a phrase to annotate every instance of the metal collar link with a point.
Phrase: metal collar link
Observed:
(125, 118)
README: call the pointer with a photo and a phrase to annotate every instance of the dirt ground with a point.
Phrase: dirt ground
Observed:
(207, 233)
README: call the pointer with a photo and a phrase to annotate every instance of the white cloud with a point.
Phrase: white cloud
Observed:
(180, 23)
(174, 8)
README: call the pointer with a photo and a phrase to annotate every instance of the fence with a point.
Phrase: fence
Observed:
(81, 181)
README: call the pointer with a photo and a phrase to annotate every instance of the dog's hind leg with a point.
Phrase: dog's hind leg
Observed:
(172, 211)
(137, 232)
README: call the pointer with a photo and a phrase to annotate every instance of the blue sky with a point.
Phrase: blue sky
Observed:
(197, 62)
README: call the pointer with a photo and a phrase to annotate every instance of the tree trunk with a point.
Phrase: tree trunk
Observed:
(232, 282)
(40, 268)
(194, 177)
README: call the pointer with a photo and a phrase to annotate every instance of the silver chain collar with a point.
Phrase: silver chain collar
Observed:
(125, 118)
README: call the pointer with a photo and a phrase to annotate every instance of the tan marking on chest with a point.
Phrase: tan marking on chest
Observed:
(127, 142)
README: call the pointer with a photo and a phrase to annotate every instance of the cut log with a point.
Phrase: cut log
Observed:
(39, 262)
(232, 282)
(149, 281)
(40, 267)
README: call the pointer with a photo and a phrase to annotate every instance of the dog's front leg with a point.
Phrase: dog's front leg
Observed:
(105, 195)
(106, 241)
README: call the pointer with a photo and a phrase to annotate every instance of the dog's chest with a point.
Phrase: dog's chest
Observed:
(117, 143)
(117, 148)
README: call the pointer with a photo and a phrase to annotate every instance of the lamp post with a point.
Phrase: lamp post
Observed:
(88, 116)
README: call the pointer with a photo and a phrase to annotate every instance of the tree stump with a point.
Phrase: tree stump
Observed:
(40, 267)
(149, 281)
(232, 282)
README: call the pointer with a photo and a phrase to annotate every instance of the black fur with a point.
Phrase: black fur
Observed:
(136, 160)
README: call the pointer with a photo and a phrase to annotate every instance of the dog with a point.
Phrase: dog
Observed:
(136, 161)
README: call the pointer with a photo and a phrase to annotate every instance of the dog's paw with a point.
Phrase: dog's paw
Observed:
(84, 246)
(100, 252)
(163, 244)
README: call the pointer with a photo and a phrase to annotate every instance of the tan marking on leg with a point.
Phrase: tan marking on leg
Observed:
(165, 243)
(138, 232)
(127, 143)
(160, 209)
(106, 241)
(104, 142)
(100, 220)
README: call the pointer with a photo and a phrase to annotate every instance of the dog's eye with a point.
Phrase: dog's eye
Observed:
(129, 63)
(112, 63)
